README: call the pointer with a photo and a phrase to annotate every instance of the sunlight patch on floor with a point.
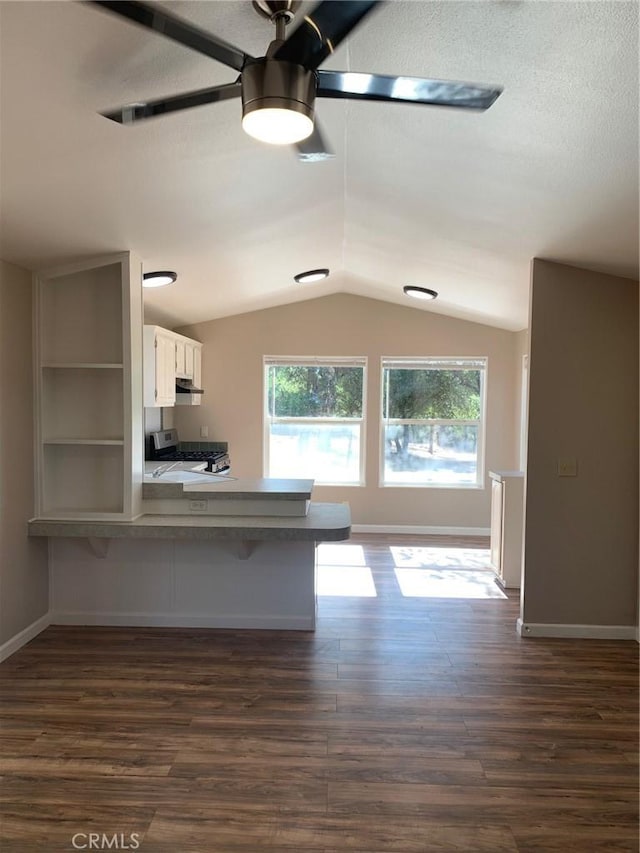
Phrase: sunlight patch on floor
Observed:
(441, 557)
(333, 554)
(421, 572)
(447, 583)
(345, 581)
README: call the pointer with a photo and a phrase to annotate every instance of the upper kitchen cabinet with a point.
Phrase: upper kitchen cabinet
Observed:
(184, 358)
(168, 357)
(190, 365)
(88, 387)
(159, 355)
(188, 360)
(197, 365)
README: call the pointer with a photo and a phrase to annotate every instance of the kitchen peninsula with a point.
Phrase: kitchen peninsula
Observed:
(130, 548)
(204, 553)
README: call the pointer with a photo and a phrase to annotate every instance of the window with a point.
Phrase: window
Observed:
(432, 421)
(314, 419)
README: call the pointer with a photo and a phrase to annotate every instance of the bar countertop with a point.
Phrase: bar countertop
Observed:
(325, 522)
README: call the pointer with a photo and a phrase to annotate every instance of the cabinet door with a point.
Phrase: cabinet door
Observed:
(512, 518)
(197, 367)
(188, 360)
(496, 525)
(181, 354)
(165, 370)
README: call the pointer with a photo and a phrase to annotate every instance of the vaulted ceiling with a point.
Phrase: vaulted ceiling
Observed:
(452, 200)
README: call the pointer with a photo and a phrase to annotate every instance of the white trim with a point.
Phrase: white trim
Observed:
(183, 620)
(25, 636)
(314, 360)
(582, 632)
(524, 411)
(356, 362)
(434, 362)
(420, 529)
(479, 363)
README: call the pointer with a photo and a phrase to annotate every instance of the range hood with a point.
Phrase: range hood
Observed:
(186, 394)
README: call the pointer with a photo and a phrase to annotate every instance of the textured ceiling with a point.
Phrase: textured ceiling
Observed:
(456, 201)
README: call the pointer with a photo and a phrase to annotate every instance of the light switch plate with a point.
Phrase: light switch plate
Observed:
(204, 431)
(567, 466)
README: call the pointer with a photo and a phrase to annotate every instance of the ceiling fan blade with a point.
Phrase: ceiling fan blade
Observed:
(314, 149)
(410, 90)
(132, 113)
(156, 18)
(322, 30)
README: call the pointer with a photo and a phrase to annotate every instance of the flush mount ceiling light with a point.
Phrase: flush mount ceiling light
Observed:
(419, 292)
(158, 279)
(311, 275)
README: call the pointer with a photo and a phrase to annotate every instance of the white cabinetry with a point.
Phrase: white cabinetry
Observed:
(159, 367)
(507, 499)
(197, 365)
(181, 359)
(88, 389)
(185, 358)
(167, 357)
(192, 371)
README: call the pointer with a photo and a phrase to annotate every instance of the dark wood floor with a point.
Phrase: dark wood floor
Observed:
(403, 725)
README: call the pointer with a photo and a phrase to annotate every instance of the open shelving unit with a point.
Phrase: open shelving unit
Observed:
(89, 434)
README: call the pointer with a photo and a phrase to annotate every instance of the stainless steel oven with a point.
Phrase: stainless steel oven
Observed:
(164, 446)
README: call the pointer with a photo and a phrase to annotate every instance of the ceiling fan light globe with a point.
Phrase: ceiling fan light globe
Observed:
(277, 125)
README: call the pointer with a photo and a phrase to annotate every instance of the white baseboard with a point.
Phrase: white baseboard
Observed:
(25, 636)
(579, 632)
(184, 620)
(420, 529)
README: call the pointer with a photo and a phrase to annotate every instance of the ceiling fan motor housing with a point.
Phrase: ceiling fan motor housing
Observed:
(274, 84)
(273, 9)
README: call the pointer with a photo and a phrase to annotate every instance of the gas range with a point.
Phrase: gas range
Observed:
(163, 447)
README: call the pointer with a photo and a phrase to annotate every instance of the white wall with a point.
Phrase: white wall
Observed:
(24, 581)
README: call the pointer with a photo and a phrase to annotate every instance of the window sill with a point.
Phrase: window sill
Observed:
(467, 487)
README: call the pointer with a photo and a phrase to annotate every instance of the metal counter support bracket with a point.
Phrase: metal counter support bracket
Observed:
(99, 546)
(245, 549)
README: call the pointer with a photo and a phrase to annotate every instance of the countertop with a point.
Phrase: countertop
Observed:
(503, 475)
(203, 485)
(325, 522)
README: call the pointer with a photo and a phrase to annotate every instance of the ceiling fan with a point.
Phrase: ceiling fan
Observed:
(278, 90)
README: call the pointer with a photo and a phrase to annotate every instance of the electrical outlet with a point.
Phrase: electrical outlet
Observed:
(197, 506)
(204, 431)
(567, 466)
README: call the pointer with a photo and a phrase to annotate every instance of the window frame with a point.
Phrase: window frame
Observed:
(430, 363)
(315, 361)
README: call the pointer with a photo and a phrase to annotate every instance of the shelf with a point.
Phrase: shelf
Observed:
(82, 404)
(82, 478)
(88, 350)
(81, 316)
(76, 365)
(114, 442)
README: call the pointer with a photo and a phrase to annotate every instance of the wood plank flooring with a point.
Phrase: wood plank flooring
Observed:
(402, 725)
